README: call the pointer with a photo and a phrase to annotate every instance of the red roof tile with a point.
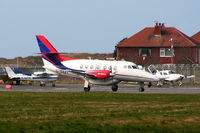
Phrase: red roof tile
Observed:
(196, 37)
(150, 37)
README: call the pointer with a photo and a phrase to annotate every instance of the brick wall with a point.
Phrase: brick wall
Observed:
(182, 56)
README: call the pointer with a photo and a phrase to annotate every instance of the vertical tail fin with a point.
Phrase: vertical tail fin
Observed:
(10, 72)
(44, 45)
(49, 53)
(152, 69)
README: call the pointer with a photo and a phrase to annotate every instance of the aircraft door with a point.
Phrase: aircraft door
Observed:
(114, 69)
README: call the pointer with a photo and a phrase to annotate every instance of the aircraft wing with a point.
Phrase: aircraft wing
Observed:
(188, 77)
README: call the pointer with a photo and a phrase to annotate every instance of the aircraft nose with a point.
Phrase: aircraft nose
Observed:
(150, 77)
(154, 78)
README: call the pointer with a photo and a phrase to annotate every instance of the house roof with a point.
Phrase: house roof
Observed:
(196, 37)
(158, 36)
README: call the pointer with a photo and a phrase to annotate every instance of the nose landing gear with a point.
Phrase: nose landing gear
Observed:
(141, 89)
(114, 87)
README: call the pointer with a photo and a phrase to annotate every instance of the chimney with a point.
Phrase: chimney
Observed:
(158, 29)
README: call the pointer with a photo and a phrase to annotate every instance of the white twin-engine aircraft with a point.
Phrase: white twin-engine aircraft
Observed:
(168, 76)
(42, 77)
(97, 72)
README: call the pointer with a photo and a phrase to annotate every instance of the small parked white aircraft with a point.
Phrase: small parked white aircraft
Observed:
(42, 77)
(168, 76)
(97, 72)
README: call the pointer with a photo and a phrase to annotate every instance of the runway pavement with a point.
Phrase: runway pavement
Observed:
(123, 88)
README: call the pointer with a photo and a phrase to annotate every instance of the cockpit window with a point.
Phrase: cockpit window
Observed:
(134, 67)
(129, 67)
(172, 72)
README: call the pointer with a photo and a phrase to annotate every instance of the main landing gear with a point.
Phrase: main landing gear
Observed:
(141, 89)
(86, 86)
(53, 85)
(114, 87)
(87, 89)
(18, 82)
(150, 84)
(42, 84)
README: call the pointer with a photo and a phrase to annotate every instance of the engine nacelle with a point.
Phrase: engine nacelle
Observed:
(99, 74)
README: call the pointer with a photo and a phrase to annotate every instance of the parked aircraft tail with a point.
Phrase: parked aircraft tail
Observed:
(10, 72)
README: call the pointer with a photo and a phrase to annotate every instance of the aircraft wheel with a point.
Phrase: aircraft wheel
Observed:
(141, 89)
(150, 84)
(18, 82)
(87, 89)
(114, 87)
(53, 85)
(42, 85)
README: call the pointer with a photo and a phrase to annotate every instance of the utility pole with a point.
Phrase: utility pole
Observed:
(172, 50)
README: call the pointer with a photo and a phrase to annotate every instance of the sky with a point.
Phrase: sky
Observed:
(87, 26)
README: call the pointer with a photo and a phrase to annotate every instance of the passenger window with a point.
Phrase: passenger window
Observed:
(81, 66)
(91, 67)
(129, 67)
(97, 67)
(125, 66)
(165, 73)
(86, 66)
(104, 67)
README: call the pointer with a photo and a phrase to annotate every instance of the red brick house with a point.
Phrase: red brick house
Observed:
(159, 45)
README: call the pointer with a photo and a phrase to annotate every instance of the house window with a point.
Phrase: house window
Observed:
(144, 52)
(165, 52)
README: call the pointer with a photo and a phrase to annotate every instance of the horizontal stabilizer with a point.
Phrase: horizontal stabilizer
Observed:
(51, 53)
